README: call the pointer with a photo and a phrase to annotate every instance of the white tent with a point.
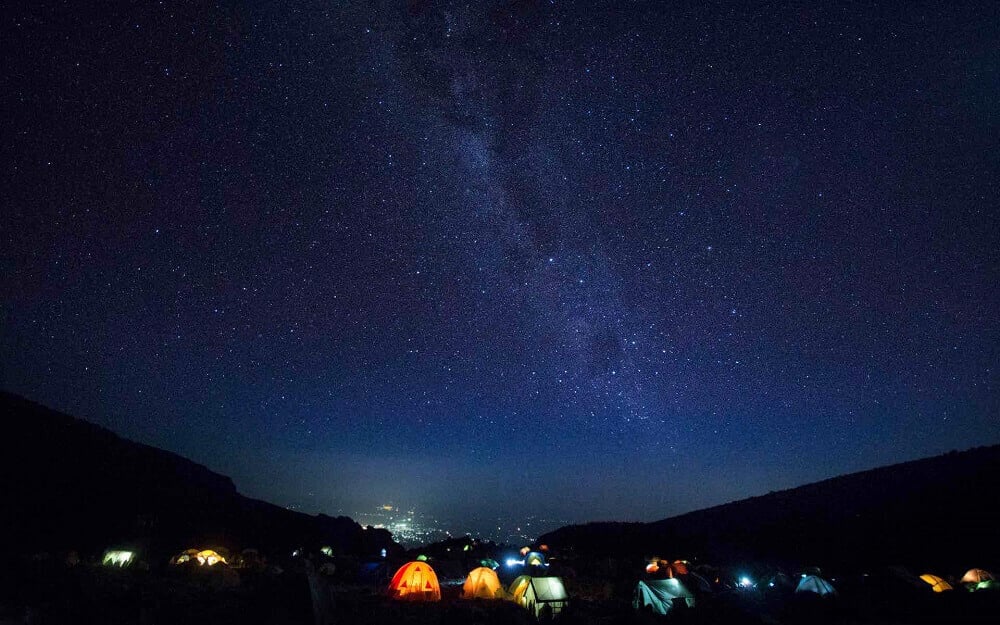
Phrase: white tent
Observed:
(537, 593)
(815, 584)
(662, 595)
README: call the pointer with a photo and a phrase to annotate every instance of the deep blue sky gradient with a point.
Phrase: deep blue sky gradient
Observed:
(573, 260)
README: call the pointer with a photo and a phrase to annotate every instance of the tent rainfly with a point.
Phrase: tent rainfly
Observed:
(534, 559)
(662, 595)
(974, 576)
(538, 594)
(205, 557)
(482, 583)
(415, 581)
(815, 584)
(937, 584)
(118, 558)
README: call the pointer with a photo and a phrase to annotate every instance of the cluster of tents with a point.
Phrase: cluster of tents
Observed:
(666, 587)
(669, 585)
(973, 580)
(540, 595)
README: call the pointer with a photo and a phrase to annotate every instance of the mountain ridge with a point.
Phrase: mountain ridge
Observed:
(939, 507)
(73, 485)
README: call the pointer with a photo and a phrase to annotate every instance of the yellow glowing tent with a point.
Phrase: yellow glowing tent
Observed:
(415, 581)
(482, 583)
(518, 586)
(937, 584)
(974, 576)
(205, 557)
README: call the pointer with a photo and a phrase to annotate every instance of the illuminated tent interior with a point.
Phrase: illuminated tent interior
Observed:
(482, 583)
(815, 584)
(662, 595)
(937, 584)
(534, 558)
(205, 557)
(974, 576)
(539, 593)
(118, 558)
(415, 581)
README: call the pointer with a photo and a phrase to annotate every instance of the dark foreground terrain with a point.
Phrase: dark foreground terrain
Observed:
(72, 490)
(51, 592)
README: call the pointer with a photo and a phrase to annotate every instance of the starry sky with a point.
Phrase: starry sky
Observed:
(577, 261)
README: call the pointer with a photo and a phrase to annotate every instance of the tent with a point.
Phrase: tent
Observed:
(205, 557)
(937, 584)
(815, 584)
(482, 583)
(118, 558)
(538, 593)
(534, 559)
(490, 563)
(661, 595)
(974, 576)
(415, 581)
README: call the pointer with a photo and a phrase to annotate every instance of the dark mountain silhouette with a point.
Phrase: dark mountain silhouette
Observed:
(71, 485)
(941, 511)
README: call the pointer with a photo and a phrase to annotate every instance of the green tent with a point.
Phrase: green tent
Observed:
(662, 595)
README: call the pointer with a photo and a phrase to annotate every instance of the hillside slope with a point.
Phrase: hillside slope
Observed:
(68, 484)
(944, 510)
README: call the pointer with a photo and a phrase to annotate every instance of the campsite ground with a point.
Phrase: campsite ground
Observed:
(46, 592)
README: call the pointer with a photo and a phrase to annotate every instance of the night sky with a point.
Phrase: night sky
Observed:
(578, 261)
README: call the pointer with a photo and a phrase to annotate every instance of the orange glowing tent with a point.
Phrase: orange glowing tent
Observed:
(415, 581)
(482, 583)
(974, 576)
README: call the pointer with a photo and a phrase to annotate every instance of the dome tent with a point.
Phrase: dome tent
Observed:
(937, 584)
(534, 558)
(538, 593)
(415, 581)
(815, 584)
(975, 576)
(482, 583)
(204, 557)
(662, 595)
(118, 557)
